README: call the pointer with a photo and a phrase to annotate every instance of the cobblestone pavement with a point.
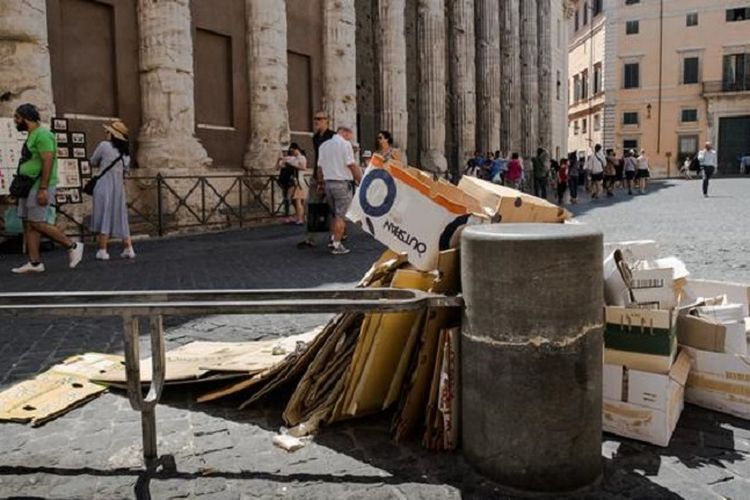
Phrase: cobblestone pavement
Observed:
(220, 452)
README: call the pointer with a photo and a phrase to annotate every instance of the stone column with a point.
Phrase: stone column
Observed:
(488, 74)
(463, 79)
(391, 44)
(529, 80)
(544, 432)
(514, 67)
(544, 65)
(267, 78)
(167, 137)
(340, 61)
(25, 70)
(432, 82)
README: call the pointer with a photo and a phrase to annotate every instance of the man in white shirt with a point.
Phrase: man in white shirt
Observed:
(595, 164)
(709, 160)
(340, 172)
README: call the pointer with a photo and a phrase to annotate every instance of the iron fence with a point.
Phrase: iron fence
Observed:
(163, 204)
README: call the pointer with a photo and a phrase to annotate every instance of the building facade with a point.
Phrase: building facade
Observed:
(675, 74)
(221, 85)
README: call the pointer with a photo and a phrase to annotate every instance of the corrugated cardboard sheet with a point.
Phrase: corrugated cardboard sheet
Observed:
(56, 391)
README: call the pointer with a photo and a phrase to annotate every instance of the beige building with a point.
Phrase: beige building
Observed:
(662, 75)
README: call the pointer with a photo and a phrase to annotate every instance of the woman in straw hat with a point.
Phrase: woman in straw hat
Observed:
(110, 213)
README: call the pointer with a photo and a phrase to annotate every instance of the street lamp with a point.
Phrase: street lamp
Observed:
(648, 110)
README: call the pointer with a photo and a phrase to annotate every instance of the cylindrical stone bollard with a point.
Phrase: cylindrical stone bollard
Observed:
(531, 354)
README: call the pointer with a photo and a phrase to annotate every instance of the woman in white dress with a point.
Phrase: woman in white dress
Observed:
(109, 218)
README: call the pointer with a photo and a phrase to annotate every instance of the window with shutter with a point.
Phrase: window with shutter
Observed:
(632, 78)
(690, 67)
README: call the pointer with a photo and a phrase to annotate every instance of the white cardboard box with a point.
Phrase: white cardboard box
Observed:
(720, 382)
(649, 404)
(411, 213)
(736, 293)
(633, 251)
(654, 286)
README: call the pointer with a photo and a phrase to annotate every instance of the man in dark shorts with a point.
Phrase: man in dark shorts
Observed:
(316, 194)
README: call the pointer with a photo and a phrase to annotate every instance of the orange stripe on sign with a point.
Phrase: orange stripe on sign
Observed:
(426, 191)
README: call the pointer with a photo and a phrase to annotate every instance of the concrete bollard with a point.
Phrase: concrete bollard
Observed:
(531, 354)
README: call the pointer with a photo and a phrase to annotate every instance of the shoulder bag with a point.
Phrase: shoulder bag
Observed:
(91, 184)
(21, 185)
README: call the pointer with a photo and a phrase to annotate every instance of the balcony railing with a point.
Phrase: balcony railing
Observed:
(719, 87)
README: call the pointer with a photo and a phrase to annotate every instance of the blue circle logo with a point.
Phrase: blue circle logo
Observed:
(390, 197)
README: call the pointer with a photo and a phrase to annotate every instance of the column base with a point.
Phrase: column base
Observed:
(531, 413)
(170, 154)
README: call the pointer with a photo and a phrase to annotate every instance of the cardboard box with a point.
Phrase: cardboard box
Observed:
(642, 331)
(654, 287)
(649, 405)
(633, 251)
(719, 382)
(725, 313)
(504, 204)
(411, 213)
(639, 361)
(736, 293)
(700, 333)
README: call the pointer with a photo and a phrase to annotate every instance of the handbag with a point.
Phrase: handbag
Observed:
(91, 184)
(318, 217)
(21, 185)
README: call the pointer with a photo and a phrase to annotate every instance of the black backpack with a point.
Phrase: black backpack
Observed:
(287, 177)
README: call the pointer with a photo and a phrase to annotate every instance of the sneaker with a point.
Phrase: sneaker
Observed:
(102, 255)
(75, 255)
(302, 245)
(339, 249)
(331, 244)
(128, 253)
(28, 268)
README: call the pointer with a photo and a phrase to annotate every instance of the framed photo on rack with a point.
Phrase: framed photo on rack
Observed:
(75, 196)
(68, 174)
(62, 152)
(60, 198)
(78, 138)
(61, 137)
(59, 125)
(85, 168)
(79, 153)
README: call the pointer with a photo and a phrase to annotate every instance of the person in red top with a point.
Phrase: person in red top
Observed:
(514, 177)
(562, 180)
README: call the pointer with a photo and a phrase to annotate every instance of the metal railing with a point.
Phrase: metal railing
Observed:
(162, 204)
(154, 305)
(724, 86)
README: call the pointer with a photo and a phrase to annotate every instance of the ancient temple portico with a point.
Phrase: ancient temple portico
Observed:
(224, 85)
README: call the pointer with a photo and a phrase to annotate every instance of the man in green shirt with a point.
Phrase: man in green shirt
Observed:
(39, 161)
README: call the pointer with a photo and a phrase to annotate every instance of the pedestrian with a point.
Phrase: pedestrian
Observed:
(514, 176)
(595, 165)
(366, 158)
(745, 164)
(38, 166)
(709, 161)
(317, 208)
(644, 172)
(291, 166)
(499, 167)
(109, 214)
(620, 171)
(685, 168)
(386, 149)
(540, 164)
(573, 176)
(562, 181)
(610, 173)
(340, 172)
(630, 167)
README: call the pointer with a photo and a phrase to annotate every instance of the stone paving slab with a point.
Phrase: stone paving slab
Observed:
(220, 452)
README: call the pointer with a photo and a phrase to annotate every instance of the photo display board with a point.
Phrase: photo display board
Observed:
(73, 167)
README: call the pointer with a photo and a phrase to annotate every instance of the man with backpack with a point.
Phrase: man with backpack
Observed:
(595, 165)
